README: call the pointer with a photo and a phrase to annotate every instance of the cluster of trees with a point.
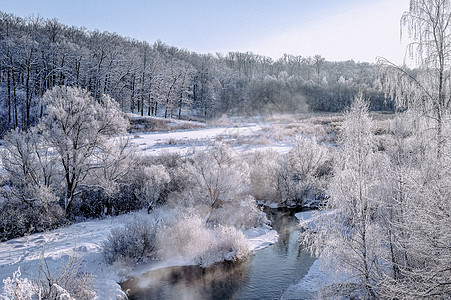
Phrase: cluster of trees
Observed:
(390, 194)
(155, 79)
(74, 164)
(67, 152)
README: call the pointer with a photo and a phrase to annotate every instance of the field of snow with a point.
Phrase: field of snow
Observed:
(244, 137)
(82, 239)
(183, 141)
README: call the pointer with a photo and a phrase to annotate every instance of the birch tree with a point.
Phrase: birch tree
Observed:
(420, 203)
(428, 25)
(350, 237)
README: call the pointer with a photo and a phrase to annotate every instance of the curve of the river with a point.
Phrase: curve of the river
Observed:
(263, 275)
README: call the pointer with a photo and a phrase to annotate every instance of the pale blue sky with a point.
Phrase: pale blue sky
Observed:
(337, 30)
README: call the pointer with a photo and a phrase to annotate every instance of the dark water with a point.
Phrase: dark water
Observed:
(263, 275)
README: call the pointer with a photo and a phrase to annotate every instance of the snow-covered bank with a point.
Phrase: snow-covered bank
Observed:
(317, 276)
(309, 218)
(85, 241)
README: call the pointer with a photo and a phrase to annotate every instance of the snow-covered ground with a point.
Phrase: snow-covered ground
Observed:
(82, 239)
(185, 141)
(85, 241)
(308, 219)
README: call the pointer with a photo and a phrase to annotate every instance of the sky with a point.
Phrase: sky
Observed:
(335, 29)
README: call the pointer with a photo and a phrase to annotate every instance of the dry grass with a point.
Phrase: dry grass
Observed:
(152, 124)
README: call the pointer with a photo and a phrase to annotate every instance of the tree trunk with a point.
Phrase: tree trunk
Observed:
(27, 96)
(9, 99)
(180, 105)
(16, 121)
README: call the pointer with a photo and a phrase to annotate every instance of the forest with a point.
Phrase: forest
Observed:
(160, 80)
(365, 146)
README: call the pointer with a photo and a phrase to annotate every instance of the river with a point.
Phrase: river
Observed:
(266, 274)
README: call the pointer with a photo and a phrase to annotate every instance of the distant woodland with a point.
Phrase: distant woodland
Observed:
(156, 79)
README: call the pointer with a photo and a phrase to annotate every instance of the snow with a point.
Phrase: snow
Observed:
(185, 141)
(158, 142)
(309, 285)
(317, 277)
(86, 240)
(260, 238)
(308, 219)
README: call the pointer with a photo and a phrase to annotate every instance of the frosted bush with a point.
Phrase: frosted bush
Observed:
(302, 174)
(220, 174)
(264, 166)
(307, 157)
(186, 236)
(240, 214)
(157, 177)
(68, 282)
(228, 244)
(133, 243)
(17, 288)
(18, 218)
(175, 168)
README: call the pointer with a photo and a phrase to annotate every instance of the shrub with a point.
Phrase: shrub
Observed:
(302, 174)
(229, 244)
(264, 166)
(17, 288)
(219, 175)
(133, 243)
(185, 236)
(18, 218)
(240, 214)
(68, 282)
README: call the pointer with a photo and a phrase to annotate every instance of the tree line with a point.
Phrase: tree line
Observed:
(156, 79)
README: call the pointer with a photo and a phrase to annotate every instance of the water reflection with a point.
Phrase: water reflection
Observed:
(220, 281)
(264, 275)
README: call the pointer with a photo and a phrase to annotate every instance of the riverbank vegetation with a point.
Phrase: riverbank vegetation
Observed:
(389, 233)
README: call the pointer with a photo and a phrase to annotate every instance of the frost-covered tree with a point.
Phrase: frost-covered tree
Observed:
(428, 24)
(308, 163)
(220, 175)
(349, 237)
(29, 164)
(78, 128)
(115, 162)
(32, 180)
(417, 218)
(71, 144)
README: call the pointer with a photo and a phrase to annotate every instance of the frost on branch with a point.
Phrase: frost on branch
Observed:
(133, 243)
(189, 238)
(17, 288)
